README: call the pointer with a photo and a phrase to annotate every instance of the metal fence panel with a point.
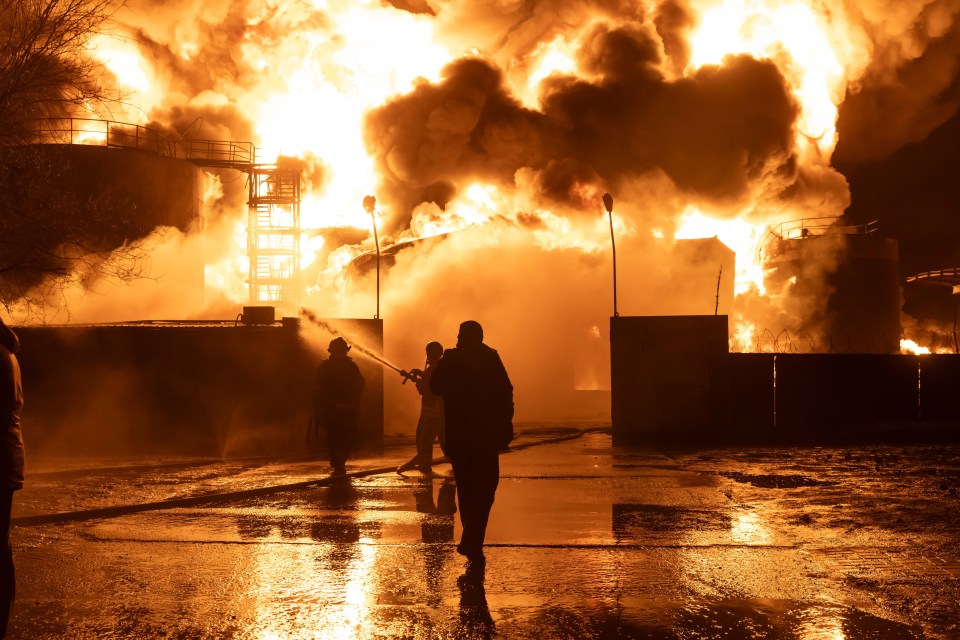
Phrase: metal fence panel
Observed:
(828, 393)
(940, 388)
(750, 408)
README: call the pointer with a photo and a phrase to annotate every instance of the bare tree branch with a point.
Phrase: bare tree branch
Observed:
(54, 236)
(45, 66)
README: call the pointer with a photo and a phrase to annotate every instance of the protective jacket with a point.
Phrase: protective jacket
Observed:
(430, 403)
(11, 402)
(477, 398)
(338, 386)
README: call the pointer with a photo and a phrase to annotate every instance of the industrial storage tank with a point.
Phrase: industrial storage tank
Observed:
(101, 187)
(839, 281)
(155, 190)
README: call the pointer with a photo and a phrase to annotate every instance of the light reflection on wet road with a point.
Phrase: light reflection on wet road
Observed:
(585, 541)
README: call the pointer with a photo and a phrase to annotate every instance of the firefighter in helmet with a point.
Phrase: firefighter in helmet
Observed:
(337, 401)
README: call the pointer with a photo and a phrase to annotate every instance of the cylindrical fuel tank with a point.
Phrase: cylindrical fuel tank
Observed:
(845, 288)
(154, 190)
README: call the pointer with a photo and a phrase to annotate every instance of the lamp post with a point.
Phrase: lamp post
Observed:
(608, 205)
(370, 204)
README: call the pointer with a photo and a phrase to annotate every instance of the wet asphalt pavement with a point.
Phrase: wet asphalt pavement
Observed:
(585, 541)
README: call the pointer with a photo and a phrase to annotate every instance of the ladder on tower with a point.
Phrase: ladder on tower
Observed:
(273, 224)
(273, 235)
(273, 219)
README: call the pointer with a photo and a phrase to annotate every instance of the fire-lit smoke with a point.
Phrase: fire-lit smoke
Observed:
(506, 123)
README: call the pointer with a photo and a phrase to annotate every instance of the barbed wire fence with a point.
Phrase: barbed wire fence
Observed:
(786, 341)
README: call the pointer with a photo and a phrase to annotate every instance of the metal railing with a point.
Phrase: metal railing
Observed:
(103, 133)
(808, 228)
(949, 277)
(124, 135)
(218, 153)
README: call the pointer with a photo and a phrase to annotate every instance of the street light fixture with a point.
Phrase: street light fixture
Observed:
(608, 205)
(370, 204)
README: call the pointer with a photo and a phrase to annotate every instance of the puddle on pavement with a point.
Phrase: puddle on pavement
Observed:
(710, 620)
(774, 481)
(633, 521)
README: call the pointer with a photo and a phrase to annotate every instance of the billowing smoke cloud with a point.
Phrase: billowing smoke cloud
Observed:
(713, 134)
(674, 21)
(911, 84)
(901, 58)
(717, 135)
(467, 128)
(199, 62)
(902, 85)
(516, 28)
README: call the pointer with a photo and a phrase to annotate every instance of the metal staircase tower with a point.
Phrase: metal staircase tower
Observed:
(273, 235)
(273, 218)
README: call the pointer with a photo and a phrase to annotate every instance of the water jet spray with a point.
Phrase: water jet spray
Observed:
(326, 326)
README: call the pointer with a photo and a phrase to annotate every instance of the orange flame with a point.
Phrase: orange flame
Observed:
(801, 43)
(910, 346)
(314, 80)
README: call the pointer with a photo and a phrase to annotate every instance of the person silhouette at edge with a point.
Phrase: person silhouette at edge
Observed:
(430, 424)
(337, 402)
(11, 463)
(478, 409)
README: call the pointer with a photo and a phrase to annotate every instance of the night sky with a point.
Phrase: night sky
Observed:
(914, 193)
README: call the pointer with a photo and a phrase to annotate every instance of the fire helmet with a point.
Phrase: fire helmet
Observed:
(338, 344)
(434, 350)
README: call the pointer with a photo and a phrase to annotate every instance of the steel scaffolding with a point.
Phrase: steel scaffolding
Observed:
(273, 218)
(273, 235)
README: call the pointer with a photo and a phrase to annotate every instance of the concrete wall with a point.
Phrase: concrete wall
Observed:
(827, 393)
(672, 379)
(667, 375)
(214, 389)
(751, 397)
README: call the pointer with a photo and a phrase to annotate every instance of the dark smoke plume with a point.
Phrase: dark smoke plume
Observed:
(716, 134)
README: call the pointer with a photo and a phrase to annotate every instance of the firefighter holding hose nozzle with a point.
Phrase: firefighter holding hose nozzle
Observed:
(337, 401)
(414, 374)
(430, 424)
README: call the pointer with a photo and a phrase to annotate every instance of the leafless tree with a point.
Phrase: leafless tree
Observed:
(53, 234)
(45, 67)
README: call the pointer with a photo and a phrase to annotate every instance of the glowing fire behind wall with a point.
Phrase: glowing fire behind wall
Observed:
(507, 123)
(299, 78)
